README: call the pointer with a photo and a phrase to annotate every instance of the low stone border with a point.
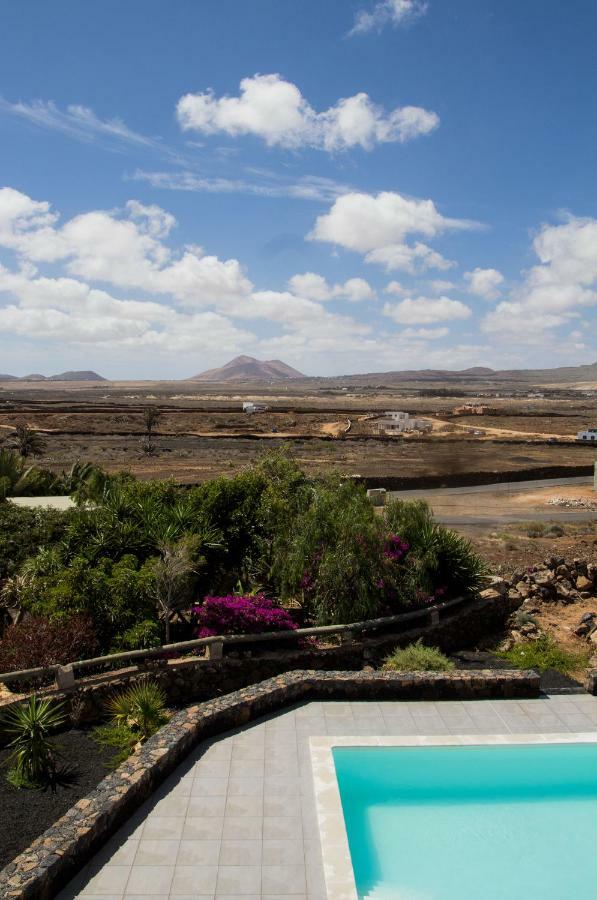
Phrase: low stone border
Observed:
(55, 857)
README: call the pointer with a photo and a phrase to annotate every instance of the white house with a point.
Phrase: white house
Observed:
(401, 422)
(249, 407)
(589, 435)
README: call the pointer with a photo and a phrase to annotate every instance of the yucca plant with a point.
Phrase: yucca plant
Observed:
(141, 708)
(33, 757)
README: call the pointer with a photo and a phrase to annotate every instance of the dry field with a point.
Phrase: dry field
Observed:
(203, 431)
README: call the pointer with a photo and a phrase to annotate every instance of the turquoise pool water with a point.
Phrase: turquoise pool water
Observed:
(471, 823)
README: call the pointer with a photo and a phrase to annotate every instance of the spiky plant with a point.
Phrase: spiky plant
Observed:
(33, 758)
(28, 442)
(141, 708)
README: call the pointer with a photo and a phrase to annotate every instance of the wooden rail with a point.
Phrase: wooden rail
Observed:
(66, 675)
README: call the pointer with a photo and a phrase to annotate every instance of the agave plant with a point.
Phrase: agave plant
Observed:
(141, 708)
(33, 757)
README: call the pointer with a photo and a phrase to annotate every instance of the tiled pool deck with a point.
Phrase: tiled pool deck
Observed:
(238, 818)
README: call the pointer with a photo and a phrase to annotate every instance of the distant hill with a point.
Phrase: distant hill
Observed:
(478, 375)
(247, 368)
(64, 376)
(77, 376)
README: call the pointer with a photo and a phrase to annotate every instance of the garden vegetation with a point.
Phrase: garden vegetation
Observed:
(137, 564)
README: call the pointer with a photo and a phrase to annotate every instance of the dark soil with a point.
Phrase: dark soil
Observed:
(25, 814)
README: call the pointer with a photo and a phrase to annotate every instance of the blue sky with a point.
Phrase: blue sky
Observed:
(349, 186)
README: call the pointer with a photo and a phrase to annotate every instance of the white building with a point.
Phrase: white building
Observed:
(589, 435)
(250, 407)
(400, 423)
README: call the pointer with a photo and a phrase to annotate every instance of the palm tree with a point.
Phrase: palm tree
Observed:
(27, 441)
(151, 417)
(17, 479)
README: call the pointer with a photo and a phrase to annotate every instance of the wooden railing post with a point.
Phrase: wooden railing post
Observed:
(65, 678)
(215, 650)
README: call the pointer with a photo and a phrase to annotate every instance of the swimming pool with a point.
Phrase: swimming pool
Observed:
(477, 821)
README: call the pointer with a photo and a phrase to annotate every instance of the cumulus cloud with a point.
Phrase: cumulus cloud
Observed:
(426, 310)
(395, 288)
(484, 283)
(124, 249)
(426, 334)
(388, 12)
(379, 226)
(273, 109)
(558, 288)
(315, 287)
(70, 311)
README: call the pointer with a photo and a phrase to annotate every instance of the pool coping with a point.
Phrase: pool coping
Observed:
(337, 864)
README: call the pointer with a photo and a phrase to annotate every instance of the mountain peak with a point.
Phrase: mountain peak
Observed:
(247, 368)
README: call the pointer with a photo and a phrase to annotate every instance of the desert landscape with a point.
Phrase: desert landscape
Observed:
(528, 423)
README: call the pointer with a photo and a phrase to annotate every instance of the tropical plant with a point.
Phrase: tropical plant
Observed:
(27, 441)
(18, 479)
(442, 563)
(32, 754)
(151, 417)
(171, 575)
(24, 531)
(143, 635)
(331, 555)
(418, 658)
(141, 708)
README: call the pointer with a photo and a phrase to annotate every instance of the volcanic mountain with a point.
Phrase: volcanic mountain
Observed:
(247, 368)
(64, 376)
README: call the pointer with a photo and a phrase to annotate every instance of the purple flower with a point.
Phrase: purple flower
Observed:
(241, 615)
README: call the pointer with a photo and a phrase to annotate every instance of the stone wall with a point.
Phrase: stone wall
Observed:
(57, 855)
(196, 678)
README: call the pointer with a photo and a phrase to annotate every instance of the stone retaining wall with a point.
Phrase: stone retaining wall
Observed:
(196, 678)
(55, 857)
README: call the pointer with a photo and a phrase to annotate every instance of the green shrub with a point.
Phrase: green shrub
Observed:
(443, 563)
(332, 555)
(32, 754)
(135, 714)
(418, 658)
(141, 708)
(23, 531)
(144, 635)
(118, 738)
(545, 653)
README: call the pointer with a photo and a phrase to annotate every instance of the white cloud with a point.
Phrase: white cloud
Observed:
(553, 292)
(262, 184)
(315, 287)
(273, 109)
(82, 124)
(426, 311)
(427, 334)
(484, 283)
(395, 288)
(123, 249)
(379, 227)
(440, 286)
(71, 312)
(388, 12)
(406, 258)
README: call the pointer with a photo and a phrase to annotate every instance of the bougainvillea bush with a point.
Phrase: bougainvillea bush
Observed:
(241, 615)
